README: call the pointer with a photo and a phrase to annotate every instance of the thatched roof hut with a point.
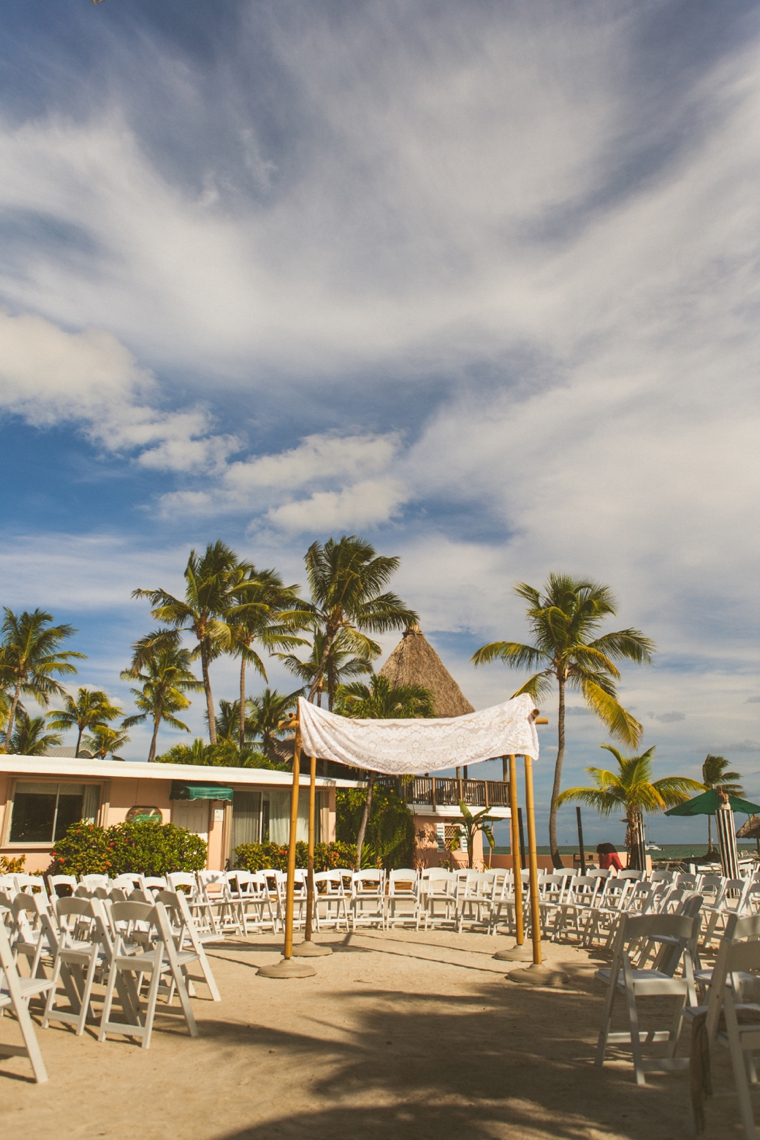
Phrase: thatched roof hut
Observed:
(415, 662)
(751, 829)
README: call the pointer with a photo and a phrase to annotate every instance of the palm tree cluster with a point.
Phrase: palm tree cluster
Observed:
(228, 607)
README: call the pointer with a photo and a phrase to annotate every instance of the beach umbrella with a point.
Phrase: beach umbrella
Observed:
(722, 806)
(708, 803)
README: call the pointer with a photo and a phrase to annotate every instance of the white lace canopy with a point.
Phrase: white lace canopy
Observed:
(411, 747)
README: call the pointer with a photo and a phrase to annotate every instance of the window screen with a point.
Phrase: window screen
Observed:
(43, 812)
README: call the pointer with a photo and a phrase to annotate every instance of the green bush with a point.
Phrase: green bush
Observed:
(273, 856)
(137, 848)
(389, 840)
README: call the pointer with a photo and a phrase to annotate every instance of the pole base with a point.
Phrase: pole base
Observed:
(287, 968)
(523, 953)
(310, 949)
(539, 976)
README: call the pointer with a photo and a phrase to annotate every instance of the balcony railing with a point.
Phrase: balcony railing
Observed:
(445, 791)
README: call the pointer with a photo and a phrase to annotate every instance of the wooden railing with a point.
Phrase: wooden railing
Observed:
(447, 791)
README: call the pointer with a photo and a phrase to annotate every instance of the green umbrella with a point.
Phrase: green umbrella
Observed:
(710, 802)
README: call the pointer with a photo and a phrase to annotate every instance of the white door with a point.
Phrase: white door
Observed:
(192, 814)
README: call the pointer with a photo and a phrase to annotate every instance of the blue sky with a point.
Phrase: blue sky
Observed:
(477, 282)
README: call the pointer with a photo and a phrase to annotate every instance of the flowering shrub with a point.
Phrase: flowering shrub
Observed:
(10, 866)
(266, 856)
(140, 848)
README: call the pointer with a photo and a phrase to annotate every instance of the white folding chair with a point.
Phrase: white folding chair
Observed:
(15, 994)
(624, 977)
(84, 950)
(187, 941)
(474, 901)
(438, 897)
(402, 904)
(330, 901)
(132, 961)
(737, 963)
(368, 899)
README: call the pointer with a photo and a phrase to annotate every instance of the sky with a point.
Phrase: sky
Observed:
(478, 282)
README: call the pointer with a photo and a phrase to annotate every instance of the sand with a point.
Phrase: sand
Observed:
(400, 1035)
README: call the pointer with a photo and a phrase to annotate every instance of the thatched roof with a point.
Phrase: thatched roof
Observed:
(751, 829)
(415, 662)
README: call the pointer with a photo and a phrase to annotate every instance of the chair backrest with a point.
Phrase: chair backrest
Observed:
(599, 872)
(662, 876)
(181, 879)
(56, 883)
(93, 881)
(735, 959)
(742, 927)
(31, 884)
(127, 882)
(635, 875)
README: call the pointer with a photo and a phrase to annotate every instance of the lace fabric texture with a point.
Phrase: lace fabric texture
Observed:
(412, 747)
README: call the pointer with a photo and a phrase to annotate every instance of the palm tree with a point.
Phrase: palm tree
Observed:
(480, 821)
(564, 623)
(267, 716)
(714, 775)
(632, 789)
(204, 611)
(29, 736)
(103, 740)
(260, 600)
(347, 580)
(90, 707)
(163, 670)
(31, 658)
(381, 701)
(347, 657)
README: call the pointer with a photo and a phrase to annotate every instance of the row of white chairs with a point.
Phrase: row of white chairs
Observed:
(60, 948)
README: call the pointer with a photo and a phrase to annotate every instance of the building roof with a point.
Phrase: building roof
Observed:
(141, 770)
(415, 662)
(69, 750)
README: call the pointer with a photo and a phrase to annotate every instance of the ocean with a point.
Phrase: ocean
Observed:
(668, 851)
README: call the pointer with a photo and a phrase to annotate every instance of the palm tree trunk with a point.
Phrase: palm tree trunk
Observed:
(209, 696)
(154, 738)
(12, 714)
(553, 846)
(709, 834)
(79, 739)
(329, 638)
(363, 824)
(242, 703)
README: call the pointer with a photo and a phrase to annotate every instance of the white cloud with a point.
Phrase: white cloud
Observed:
(365, 504)
(50, 376)
(317, 458)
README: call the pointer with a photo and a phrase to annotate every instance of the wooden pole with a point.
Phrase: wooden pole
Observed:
(291, 884)
(515, 844)
(310, 854)
(307, 948)
(287, 967)
(535, 915)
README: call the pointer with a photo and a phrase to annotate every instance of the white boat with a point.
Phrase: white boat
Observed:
(652, 847)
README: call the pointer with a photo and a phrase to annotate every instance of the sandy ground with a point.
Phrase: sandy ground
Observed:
(400, 1035)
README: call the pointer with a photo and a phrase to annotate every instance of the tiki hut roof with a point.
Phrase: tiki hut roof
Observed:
(751, 829)
(415, 662)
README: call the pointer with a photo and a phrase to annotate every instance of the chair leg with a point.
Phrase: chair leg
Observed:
(633, 1019)
(150, 1010)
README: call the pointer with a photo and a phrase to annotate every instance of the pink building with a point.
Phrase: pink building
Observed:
(41, 795)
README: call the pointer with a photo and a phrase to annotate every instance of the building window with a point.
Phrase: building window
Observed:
(43, 812)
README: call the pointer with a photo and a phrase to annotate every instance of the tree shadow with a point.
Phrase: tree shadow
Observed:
(499, 1060)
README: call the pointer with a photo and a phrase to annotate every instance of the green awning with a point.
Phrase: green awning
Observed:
(182, 791)
(709, 802)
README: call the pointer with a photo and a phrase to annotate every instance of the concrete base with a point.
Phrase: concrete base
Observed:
(544, 975)
(287, 968)
(310, 950)
(516, 953)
